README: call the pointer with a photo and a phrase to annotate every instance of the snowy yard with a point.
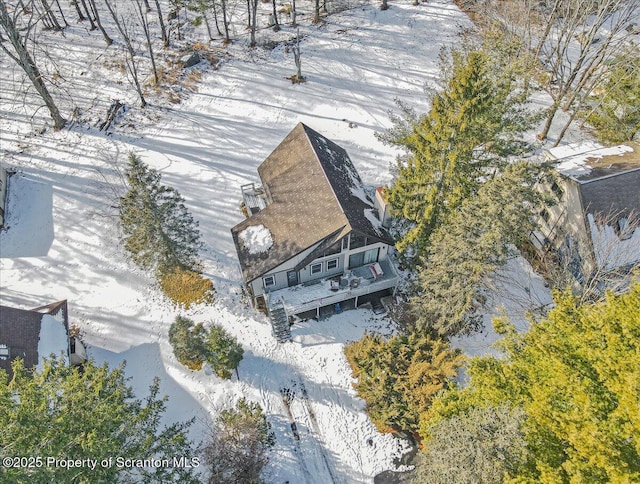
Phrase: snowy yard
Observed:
(61, 239)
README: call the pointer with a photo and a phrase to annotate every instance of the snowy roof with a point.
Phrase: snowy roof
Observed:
(315, 195)
(33, 334)
(589, 161)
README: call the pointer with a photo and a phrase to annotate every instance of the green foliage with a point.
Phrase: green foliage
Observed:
(471, 126)
(477, 240)
(188, 341)
(193, 345)
(616, 115)
(483, 446)
(576, 376)
(159, 231)
(90, 413)
(399, 377)
(186, 287)
(224, 352)
(239, 444)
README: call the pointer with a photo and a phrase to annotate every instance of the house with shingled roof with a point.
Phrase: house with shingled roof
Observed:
(594, 223)
(313, 242)
(36, 334)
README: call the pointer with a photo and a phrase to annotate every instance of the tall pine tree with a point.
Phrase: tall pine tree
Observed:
(399, 377)
(159, 231)
(471, 126)
(576, 376)
(477, 240)
(67, 413)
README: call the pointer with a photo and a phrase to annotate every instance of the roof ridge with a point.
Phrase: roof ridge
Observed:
(335, 195)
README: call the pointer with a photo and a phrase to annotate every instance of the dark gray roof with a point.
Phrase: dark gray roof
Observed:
(314, 192)
(614, 195)
(20, 331)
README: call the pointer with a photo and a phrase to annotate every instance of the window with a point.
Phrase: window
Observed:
(357, 241)
(345, 242)
(557, 189)
(269, 281)
(544, 213)
(4, 352)
(371, 256)
(332, 264)
(316, 268)
(334, 249)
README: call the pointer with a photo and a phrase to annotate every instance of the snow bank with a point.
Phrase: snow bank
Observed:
(256, 239)
(53, 340)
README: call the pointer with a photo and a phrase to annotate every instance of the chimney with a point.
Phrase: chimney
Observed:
(382, 206)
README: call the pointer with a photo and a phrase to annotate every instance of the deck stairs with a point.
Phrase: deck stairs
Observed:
(279, 321)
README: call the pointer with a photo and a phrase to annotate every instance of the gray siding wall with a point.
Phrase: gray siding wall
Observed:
(305, 275)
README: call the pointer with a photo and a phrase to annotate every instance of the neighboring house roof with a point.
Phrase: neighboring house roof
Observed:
(315, 195)
(608, 182)
(586, 162)
(33, 334)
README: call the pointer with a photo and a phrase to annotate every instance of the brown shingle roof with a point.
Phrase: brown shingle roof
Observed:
(20, 331)
(314, 192)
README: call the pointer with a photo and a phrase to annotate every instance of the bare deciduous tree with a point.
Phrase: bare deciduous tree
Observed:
(96, 15)
(163, 29)
(18, 23)
(130, 59)
(142, 16)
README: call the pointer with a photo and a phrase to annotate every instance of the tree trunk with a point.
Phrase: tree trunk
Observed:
(26, 62)
(86, 9)
(225, 21)
(147, 6)
(254, 14)
(130, 61)
(49, 18)
(66, 24)
(145, 29)
(316, 12)
(81, 17)
(106, 37)
(276, 25)
(293, 13)
(163, 30)
(547, 125)
(215, 19)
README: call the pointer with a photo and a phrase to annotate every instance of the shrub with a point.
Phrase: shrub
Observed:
(239, 445)
(224, 352)
(399, 377)
(185, 287)
(188, 342)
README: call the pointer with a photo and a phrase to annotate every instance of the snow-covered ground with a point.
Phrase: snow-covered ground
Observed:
(61, 239)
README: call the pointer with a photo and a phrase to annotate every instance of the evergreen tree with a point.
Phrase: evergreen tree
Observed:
(399, 377)
(224, 353)
(483, 446)
(239, 445)
(471, 126)
(159, 231)
(66, 413)
(477, 240)
(616, 115)
(576, 376)
(188, 341)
